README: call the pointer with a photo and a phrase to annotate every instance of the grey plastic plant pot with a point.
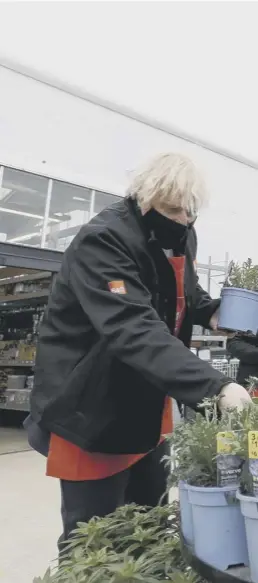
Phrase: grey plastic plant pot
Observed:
(186, 513)
(249, 509)
(238, 310)
(218, 525)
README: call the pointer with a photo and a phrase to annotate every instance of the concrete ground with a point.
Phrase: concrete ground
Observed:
(13, 439)
(29, 512)
(29, 517)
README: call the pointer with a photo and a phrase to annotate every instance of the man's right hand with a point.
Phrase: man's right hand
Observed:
(233, 396)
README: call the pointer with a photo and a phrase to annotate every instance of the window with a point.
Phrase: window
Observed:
(22, 207)
(70, 208)
(24, 202)
(102, 200)
(73, 206)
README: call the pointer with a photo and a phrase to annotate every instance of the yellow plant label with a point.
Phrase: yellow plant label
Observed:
(225, 440)
(253, 445)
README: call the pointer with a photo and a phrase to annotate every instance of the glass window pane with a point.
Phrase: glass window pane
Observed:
(70, 209)
(102, 200)
(22, 206)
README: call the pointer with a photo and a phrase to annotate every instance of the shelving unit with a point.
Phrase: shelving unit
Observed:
(22, 277)
(23, 296)
(16, 364)
(18, 399)
(15, 400)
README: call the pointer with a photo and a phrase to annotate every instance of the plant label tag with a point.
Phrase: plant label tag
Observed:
(253, 460)
(228, 463)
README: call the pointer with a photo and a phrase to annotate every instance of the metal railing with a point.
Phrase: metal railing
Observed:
(229, 369)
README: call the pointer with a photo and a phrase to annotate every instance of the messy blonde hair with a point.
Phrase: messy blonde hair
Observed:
(169, 179)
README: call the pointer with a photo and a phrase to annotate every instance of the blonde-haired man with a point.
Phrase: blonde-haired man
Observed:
(114, 344)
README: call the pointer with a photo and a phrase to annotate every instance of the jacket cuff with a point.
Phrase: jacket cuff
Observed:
(207, 313)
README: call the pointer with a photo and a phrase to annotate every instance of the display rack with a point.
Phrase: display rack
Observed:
(18, 366)
(26, 277)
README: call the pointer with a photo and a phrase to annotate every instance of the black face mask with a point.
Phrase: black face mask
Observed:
(169, 233)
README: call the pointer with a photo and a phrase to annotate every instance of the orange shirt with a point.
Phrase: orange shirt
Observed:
(67, 461)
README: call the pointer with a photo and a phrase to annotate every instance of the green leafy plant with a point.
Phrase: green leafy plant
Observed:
(132, 545)
(242, 422)
(244, 276)
(137, 544)
(194, 448)
(194, 444)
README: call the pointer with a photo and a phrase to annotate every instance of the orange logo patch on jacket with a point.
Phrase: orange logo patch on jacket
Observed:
(117, 287)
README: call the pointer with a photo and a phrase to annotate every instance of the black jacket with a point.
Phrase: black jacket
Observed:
(245, 348)
(105, 361)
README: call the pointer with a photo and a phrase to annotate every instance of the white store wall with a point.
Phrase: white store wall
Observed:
(50, 132)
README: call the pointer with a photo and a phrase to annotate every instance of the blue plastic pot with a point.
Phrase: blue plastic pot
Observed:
(218, 525)
(249, 509)
(185, 513)
(238, 310)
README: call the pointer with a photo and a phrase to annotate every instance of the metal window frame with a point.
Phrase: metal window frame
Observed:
(49, 198)
(48, 205)
(46, 213)
(92, 203)
(1, 175)
(57, 178)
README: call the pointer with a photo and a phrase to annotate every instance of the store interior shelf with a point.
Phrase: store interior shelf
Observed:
(21, 298)
(16, 363)
(22, 307)
(15, 399)
(20, 278)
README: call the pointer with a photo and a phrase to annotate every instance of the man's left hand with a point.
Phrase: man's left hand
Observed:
(214, 321)
(214, 326)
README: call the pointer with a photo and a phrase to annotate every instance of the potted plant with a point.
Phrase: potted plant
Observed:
(249, 509)
(247, 494)
(239, 298)
(218, 526)
(131, 545)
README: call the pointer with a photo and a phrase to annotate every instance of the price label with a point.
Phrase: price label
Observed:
(253, 445)
(225, 442)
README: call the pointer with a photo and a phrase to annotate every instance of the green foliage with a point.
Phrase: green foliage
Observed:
(194, 444)
(243, 422)
(244, 276)
(137, 544)
(132, 545)
(46, 579)
(193, 447)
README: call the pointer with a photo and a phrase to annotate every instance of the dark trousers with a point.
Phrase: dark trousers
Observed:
(144, 483)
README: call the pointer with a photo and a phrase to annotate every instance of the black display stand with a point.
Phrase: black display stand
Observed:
(234, 575)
